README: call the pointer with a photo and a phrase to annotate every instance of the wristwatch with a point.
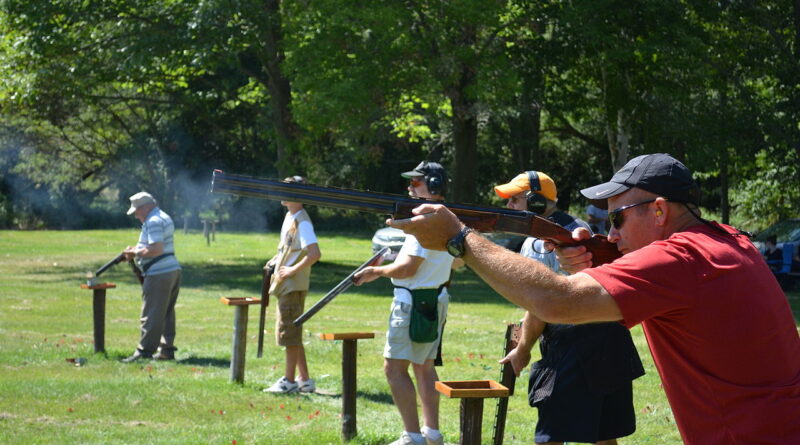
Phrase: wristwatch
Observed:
(455, 246)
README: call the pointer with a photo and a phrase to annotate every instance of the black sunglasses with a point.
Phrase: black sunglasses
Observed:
(617, 218)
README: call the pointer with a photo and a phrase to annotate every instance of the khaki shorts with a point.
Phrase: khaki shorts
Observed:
(398, 342)
(290, 306)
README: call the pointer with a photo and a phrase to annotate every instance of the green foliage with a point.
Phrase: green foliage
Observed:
(100, 99)
(771, 194)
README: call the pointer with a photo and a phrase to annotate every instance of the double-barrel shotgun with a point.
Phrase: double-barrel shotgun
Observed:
(343, 285)
(507, 379)
(482, 219)
(266, 281)
(92, 277)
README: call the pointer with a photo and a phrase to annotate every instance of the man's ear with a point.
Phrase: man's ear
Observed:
(662, 211)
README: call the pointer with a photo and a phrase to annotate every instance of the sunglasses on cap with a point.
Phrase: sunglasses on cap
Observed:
(617, 218)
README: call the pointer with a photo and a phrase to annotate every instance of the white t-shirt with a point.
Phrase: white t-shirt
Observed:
(432, 273)
(305, 233)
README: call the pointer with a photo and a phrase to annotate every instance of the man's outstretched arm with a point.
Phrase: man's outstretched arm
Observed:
(551, 297)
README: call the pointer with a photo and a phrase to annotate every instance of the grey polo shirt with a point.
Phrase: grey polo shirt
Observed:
(158, 227)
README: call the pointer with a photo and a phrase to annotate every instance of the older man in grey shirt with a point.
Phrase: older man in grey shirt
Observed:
(155, 256)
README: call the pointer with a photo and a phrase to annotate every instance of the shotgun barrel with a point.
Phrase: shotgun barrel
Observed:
(339, 288)
(118, 259)
(482, 219)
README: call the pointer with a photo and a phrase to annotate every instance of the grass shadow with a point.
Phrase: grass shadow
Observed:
(243, 275)
(204, 361)
(377, 397)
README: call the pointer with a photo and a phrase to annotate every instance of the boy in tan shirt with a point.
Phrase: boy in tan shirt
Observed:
(297, 252)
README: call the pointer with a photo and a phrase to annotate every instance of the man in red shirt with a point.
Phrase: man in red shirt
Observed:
(720, 330)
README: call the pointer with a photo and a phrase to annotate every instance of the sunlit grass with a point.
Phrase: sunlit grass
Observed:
(45, 319)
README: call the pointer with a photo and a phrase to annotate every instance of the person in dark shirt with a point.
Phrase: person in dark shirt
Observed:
(773, 254)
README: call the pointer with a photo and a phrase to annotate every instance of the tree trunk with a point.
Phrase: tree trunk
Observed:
(797, 30)
(525, 129)
(279, 87)
(724, 162)
(618, 133)
(723, 185)
(465, 142)
(619, 140)
(465, 126)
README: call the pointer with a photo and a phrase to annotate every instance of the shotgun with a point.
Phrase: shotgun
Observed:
(136, 271)
(265, 283)
(507, 379)
(91, 277)
(118, 259)
(482, 219)
(339, 288)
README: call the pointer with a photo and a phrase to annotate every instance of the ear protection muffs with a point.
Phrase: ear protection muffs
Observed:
(436, 182)
(536, 202)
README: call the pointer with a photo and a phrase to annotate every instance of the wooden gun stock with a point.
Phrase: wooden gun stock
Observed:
(136, 271)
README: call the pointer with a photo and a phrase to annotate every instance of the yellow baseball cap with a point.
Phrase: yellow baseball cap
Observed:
(521, 183)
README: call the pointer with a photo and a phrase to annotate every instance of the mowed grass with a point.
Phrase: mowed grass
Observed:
(45, 319)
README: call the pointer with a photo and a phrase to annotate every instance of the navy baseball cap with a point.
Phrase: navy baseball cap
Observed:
(657, 173)
(425, 169)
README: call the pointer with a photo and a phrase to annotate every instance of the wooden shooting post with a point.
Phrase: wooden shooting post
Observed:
(471, 393)
(239, 334)
(99, 313)
(349, 357)
(210, 234)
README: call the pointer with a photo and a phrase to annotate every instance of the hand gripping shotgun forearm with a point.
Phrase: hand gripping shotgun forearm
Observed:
(482, 219)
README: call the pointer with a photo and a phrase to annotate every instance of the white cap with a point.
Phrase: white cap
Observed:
(139, 200)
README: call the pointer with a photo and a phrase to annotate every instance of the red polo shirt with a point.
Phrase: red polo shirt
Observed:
(721, 333)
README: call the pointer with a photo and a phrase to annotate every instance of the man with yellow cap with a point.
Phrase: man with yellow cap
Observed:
(582, 385)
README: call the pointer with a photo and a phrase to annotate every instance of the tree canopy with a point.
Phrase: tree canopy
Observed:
(100, 99)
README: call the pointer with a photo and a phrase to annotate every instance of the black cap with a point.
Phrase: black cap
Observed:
(435, 176)
(657, 173)
(425, 169)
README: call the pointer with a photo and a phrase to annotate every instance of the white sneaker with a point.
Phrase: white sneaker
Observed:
(430, 441)
(283, 386)
(405, 439)
(306, 385)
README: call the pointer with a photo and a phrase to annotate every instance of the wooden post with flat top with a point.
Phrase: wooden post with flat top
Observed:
(239, 334)
(349, 372)
(471, 393)
(99, 313)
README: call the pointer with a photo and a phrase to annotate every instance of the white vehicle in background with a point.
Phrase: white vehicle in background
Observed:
(388, 237)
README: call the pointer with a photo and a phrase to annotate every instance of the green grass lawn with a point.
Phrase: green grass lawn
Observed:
(45, 319)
